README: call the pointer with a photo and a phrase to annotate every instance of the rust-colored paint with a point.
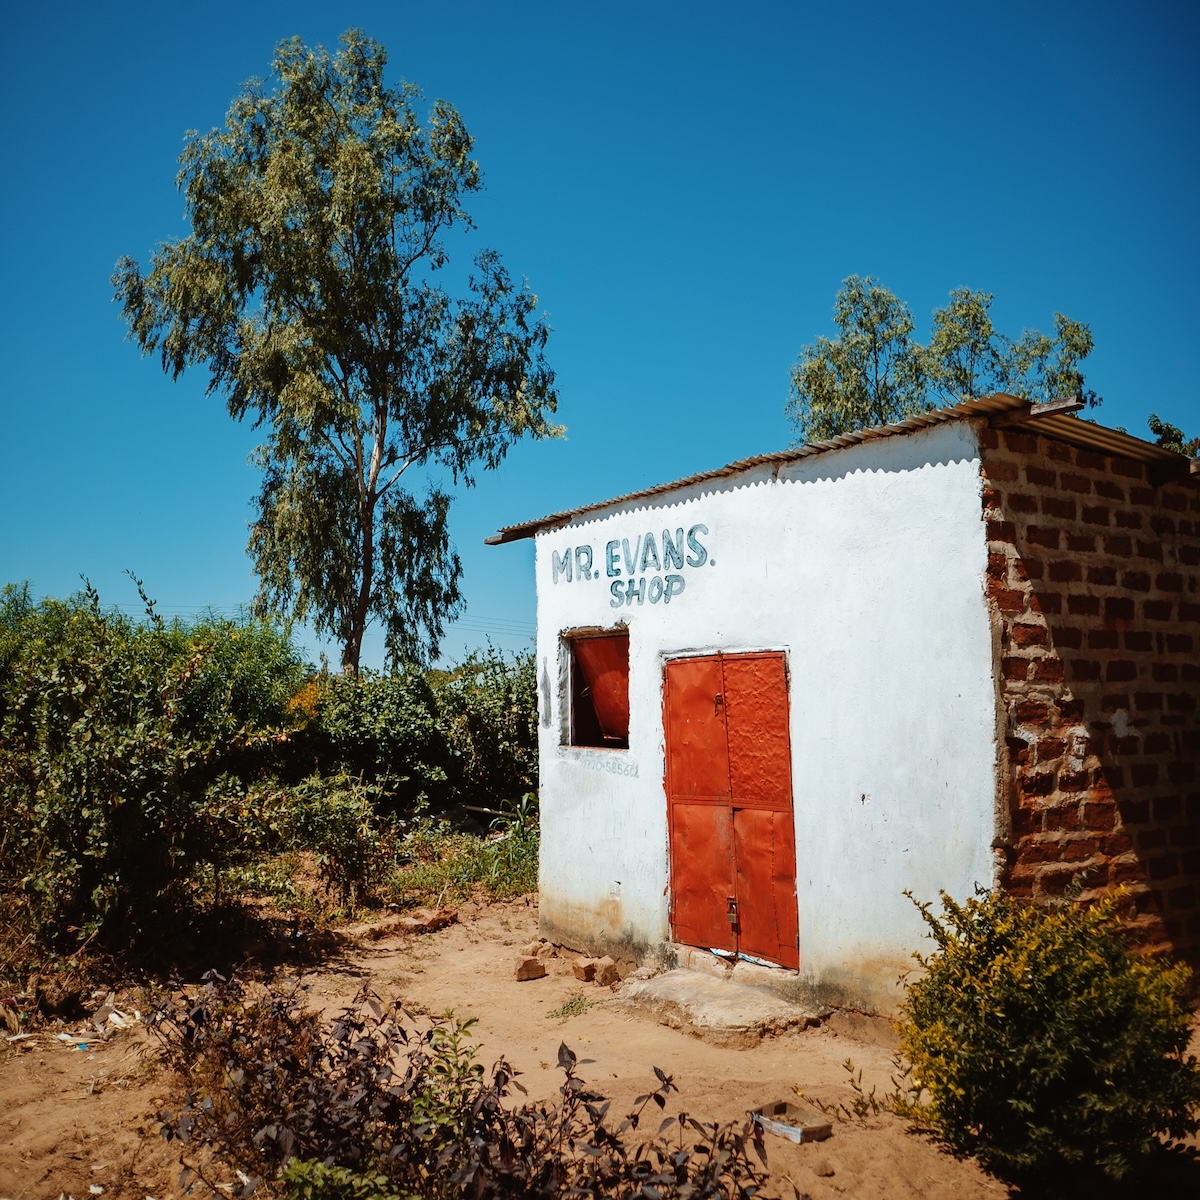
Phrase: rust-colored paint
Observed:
(603, 665)
(732, 836)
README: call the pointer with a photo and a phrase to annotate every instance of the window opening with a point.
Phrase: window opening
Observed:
(600, 690)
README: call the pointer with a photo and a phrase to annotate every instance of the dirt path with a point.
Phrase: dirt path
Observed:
(72, 1120)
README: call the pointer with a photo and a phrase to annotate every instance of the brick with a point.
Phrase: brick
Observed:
(1044, 476)
(1021, 503)
(1080, 849)
(1065, 571)
(1118, 608)
(1050, 748)
(1180, 702)
(1156, 743)
(1126, 871)
(1164, 672)
(1045, 602)
(1029, 568)
(1075, 483)
(1127, 468)
(1118, 545)
(1072, 781)
(1163, 866)
(1061, 816)
(1179, 643)
(1158, 610)
(1020, 443)
(1057, 506)
(1000, 470)
(584, 969)
(1081, 543)
(1100, 815)
(1189, 612)
(1067, 637)
(1102, 576)
(1083, 670)
(1001, 531)
(1040, 783)
(1059, 452)
(1090, 460)
(991, 498)
(1008, 599)
(1148, 701)
(1169, 581)
(1015, 669)
(1083, 606)
(1144, 774)
(1120, 670)
(1139, 640)
(530, 968)
(989, 439)
(1181, 772)
(1152, 551)
(1141, 496)
(997, 565)
(1115, 844)
(1110, 490)
(1029, 635)
(1042, 535)
(1162, 525)
(1124, 519)
(1103, 639)
(1183, 896)
(1032, 712)
(1136, 581)
(607, 972)
(1189, 555)
(1167, 808)
(1048, 670)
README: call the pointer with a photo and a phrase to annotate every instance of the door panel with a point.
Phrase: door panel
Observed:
(697, 760)
(729, 797)
(702, 874)
(760, 755)
(765, 854)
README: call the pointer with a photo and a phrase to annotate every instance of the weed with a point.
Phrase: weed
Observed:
(573, 1006)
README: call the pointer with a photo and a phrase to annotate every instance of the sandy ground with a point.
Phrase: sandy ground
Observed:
(76, 1120)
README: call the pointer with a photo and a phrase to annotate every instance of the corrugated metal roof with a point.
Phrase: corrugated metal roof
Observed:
(1060, 426)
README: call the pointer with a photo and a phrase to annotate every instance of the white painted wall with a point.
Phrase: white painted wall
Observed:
(866, 565)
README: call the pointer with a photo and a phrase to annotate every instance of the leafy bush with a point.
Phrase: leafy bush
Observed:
(1045, 1047)
(114, 736)
(489, 715)
(442, 862)
(382, 729)
(370, 1105)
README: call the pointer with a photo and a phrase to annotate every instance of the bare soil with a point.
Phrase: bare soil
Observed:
(73, 1120)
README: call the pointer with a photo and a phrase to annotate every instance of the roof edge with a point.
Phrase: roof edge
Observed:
(1054, 421)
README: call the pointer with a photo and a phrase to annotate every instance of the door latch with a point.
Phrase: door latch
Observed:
(718, 700)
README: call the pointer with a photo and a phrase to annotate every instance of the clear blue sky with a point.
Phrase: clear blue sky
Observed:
(683, 184)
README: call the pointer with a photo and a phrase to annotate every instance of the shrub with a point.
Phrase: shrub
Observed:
(1046, 1048)
(115, 737)
(371, 1105)
(382, 729)
(489, 714)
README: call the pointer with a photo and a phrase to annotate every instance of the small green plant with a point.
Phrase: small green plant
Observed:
(573, 1006)
(1043, 1046)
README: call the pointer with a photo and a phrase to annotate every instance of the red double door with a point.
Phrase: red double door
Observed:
(729, 805)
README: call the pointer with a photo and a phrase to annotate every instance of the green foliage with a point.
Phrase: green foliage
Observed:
(441, 862)
(875, 373)
(490, 717)
(372, 1105)
(116, 743)
(308, 289)
(1171, 437)
(384, 729)
(1046, 1049)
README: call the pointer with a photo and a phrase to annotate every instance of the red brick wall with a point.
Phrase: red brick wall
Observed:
(1094, 585)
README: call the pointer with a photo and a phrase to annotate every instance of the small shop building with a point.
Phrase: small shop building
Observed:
(956, 652)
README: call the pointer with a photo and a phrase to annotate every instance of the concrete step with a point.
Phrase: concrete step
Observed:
(713, 1007)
